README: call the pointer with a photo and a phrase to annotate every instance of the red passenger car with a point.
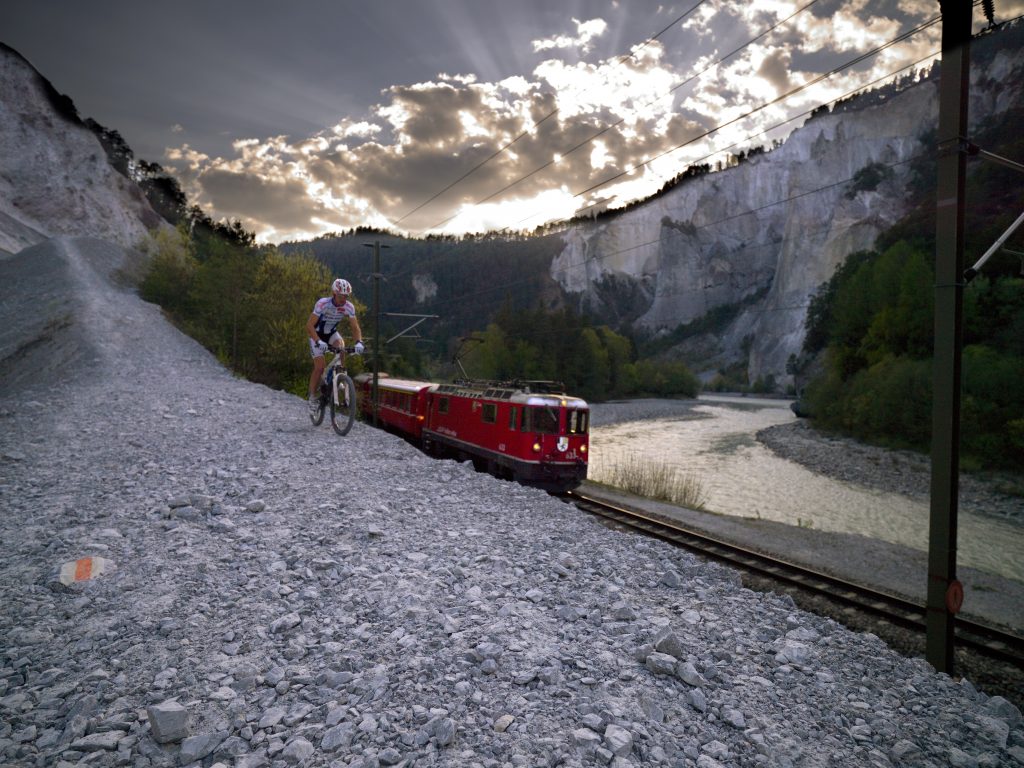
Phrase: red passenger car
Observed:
(402, 403)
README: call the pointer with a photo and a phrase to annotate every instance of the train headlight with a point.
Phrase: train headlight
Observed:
(583, 449)
(536, 447)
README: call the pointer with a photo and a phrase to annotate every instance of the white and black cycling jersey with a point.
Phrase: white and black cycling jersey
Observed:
(329, 315)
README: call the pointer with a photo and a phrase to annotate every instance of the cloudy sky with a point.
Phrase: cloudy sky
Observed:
(452, 115)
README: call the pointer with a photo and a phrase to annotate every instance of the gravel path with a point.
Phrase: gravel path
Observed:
(284, 597)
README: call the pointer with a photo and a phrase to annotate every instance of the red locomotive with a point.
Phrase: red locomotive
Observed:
(529, 431)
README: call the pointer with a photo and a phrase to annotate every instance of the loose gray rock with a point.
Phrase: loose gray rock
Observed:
(618, 740)
(661, 663)
(688, 673)
(298, 752)
(667, 642)
(95, 742)
(197, 747)
(168, 721)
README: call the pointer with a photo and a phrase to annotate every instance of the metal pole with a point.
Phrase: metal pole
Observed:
(971, 272)
(944, 591)
(376, 329)
(377, 343)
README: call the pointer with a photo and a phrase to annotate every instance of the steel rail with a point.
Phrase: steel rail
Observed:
(986, 639)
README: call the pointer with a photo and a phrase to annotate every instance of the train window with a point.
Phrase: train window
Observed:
(490, 413)
(576, 421)
(442, 405)
(512, 413)
(544, 420)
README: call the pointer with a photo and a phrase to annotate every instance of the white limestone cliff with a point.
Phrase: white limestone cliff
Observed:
(55, 178)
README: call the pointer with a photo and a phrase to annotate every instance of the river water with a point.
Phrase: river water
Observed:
(743, 478)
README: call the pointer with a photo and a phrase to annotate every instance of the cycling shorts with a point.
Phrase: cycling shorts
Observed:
(317, 348)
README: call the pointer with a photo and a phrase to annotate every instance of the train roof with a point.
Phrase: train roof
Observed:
(401, 385)
(517, 391)
(529, 393)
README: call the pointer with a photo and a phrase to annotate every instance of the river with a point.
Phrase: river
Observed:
(743, 478)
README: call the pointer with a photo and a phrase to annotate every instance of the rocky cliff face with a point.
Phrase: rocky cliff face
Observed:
(55, 178)
(765, 234)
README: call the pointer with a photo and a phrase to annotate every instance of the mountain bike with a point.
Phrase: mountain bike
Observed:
(337, 393)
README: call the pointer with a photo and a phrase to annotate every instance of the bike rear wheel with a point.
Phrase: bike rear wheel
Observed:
(343, 404)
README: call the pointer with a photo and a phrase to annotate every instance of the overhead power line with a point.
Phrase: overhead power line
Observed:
(840, 68)
(776, 100)
(601, 257)
(838, 99)
(619, 122)
(622, 59)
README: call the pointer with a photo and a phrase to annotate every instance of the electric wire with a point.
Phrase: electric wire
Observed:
(606, 255)
(780, 241)
(825, 228)
(832, 103)
(900, 38)
(622, 59)
(863, 57)
(619, 122)
(767, 104)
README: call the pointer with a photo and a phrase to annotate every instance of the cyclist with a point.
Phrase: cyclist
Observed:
(322, 329)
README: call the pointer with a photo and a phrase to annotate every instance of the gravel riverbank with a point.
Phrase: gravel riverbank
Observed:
(903, 472)
(278, 596)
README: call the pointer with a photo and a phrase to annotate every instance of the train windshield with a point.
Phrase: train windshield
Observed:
(576, 421)
(543, 420)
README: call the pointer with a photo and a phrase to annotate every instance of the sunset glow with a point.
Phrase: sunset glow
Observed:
(458, 121)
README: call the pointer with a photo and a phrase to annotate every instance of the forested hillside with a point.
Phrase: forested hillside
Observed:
(464, 281)
(873, 321)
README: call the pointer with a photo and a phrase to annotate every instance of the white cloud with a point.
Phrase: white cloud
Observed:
(362, 129)
(598, 118)
(586, 31)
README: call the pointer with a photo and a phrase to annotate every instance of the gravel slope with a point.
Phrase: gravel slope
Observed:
(285, 597)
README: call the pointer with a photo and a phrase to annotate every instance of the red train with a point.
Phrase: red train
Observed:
(529, 431)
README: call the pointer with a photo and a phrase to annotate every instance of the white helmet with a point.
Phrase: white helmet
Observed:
(342, 286)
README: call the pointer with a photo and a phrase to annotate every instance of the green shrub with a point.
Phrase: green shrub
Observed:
(992, 414)
(875, 319)
(171, 269)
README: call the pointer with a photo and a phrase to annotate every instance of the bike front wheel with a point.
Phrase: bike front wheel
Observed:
(343, 404)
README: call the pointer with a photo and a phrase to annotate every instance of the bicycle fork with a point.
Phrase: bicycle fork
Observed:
(338, 397)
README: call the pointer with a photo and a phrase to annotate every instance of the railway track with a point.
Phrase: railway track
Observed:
(987, 640)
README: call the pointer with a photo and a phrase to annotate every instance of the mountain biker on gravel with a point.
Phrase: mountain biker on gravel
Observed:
(322, 329)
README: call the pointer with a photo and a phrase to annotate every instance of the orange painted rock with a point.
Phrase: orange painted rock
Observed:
(84, 569)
